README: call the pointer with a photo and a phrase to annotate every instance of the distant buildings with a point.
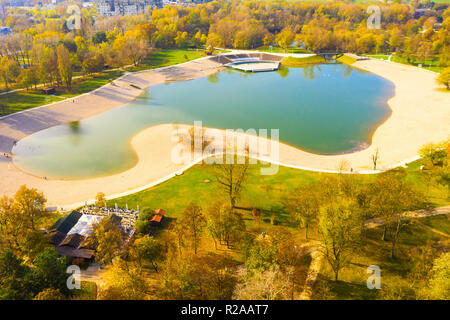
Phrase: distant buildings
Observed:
(185, 3)
(109, 8)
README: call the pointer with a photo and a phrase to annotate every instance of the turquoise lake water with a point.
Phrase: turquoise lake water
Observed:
(326, 109)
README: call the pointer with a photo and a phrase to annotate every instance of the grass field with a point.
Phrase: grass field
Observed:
(432, 65)
(163, 58)
(197, 185)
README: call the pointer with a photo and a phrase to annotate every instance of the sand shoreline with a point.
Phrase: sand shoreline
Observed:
(419, 114)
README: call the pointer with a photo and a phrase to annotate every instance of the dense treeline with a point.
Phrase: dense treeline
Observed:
(41, 38)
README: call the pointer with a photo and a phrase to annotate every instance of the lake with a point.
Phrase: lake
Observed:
(324, 109)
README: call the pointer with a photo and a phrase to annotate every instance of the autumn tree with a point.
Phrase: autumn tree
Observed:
(149, 249)
(49, 271)
(303, 205)
(434, 153)
(269, 284)
(124, 281)
(106, 239)
(439, 283)
(444, 78)
(338, 233)
(224, 224)
(13, 274)
(9, 70)
(285, 38)
(20, 218)
(193, 222)
(100, 200)
(64, 65)
(391, 195)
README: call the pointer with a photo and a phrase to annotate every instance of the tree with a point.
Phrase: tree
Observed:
(436, 154)
(49, 294)
(13, 275)
(338, 233)
(285, 38)
(107, 239)
(262, 254)
(213, 41)
(149, 249)
(193, 222)
(64, 65)
(124, 281)
(100, 200)
(181, 40)
(49, 272)
(19, 220)
(390, 196)
(375, 158)
(9, 70)
(99, 37)
(444, 78)
(26, 78)
(303, 205)
(439, 283)
(231, 177)
(93, 64)
(270, 284)
(31, 204)
(224, 224)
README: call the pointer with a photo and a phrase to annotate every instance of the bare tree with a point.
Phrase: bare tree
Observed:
(231, 177)
(375, 158)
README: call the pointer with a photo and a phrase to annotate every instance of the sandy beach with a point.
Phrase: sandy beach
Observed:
(420, 114)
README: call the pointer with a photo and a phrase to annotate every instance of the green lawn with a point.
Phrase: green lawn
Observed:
(432, 65)
(301, 62)
(175, 194)
(346, 59)
(163, 58)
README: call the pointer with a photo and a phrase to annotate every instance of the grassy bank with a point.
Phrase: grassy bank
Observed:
(301, 62)
(346, 59)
